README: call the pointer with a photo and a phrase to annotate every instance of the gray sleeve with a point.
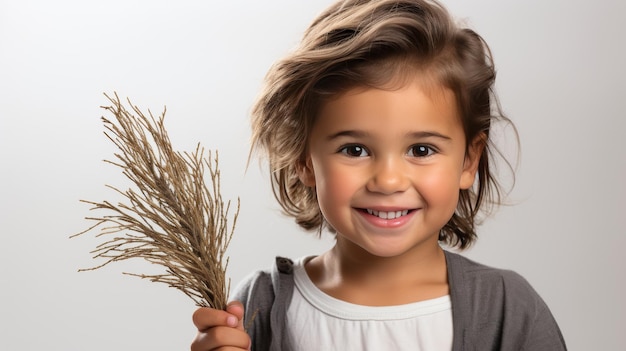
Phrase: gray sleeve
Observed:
(496, 309)
(527, 323)
(257, 295)
(266, 296)
(544, 332)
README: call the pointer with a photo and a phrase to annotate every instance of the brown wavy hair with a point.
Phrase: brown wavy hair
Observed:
(361, 43)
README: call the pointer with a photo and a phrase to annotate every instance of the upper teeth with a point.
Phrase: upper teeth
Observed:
(387, 215)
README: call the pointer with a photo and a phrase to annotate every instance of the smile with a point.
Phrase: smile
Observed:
(387, 214)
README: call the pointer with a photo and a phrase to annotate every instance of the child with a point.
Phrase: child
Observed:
(377, 129)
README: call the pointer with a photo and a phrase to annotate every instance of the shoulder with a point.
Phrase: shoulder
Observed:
(263, 282)
(266, 294)
(470, 274)
(498, 308)
(480, 284)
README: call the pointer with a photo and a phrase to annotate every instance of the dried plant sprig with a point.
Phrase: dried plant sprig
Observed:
(171, 217)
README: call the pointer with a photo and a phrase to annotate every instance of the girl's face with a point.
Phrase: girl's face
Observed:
(387, 167)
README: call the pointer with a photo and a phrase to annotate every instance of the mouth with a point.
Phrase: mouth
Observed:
(387, 214)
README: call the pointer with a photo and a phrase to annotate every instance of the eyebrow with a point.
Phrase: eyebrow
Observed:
(347, 133)
(428, 134)
(413, 135)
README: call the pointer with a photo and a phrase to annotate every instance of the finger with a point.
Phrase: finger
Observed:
(236, 308)
(205, 318)
(218, 338)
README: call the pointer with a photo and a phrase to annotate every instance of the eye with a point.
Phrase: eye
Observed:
(421, 150)
(354, 151)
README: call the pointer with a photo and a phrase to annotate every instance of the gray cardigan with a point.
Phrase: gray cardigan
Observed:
(492, 309)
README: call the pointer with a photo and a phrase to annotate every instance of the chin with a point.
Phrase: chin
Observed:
(390, 252)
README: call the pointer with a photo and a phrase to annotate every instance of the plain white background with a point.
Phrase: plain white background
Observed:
(561, 79)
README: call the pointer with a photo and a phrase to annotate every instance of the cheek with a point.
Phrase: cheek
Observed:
(440, 187)
(335, 189)
(333, 182)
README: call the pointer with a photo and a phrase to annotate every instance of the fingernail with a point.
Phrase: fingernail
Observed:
(231, 321)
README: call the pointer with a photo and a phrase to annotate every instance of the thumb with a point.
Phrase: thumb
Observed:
(236, 309)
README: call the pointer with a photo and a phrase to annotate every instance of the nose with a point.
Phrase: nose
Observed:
(388, 176)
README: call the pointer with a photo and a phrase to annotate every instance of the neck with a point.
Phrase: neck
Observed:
(417, 264)
(359, 277)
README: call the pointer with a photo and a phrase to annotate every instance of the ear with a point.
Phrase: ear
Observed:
(472, 160)
(306, 173)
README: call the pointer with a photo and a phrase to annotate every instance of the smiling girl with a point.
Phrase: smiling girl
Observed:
(377, 128)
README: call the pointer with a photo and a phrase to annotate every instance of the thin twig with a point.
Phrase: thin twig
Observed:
(171, 217)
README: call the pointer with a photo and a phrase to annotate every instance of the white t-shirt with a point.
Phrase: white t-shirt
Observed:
(318, 321)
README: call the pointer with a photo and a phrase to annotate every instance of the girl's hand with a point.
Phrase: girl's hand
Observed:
(220, 330)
